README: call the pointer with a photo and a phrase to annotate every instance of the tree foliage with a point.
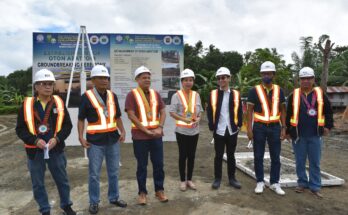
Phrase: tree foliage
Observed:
(205, 61)
(21, 80)
(314, 55)
(338, 70)
(250, 72)
(15, 87)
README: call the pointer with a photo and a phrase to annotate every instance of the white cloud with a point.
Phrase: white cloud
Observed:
(228, 24)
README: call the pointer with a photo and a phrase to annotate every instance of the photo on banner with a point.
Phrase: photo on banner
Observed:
(55, 51)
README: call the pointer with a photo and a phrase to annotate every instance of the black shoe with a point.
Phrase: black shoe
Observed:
(69, 211)
(119, 203)
(234, 183)
(93, 208)
(46, 213)
(216, 184)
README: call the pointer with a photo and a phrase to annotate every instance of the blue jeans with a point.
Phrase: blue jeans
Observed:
(57, 166)
(96, 154)
(142, 148)
(271, 134)
(308, 147)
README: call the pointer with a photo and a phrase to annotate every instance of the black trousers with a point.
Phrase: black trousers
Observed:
(219, 144)
(187, 151)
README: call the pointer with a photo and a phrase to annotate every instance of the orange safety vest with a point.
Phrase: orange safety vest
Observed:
(236, 100)
(267, 115)
(104, 124)
(185, 104)
(153, 122)
(29, 119)
(296, 100)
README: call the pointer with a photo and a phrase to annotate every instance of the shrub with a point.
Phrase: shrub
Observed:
(9, 110)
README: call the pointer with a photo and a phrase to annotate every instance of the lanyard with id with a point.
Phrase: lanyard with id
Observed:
(310, 107)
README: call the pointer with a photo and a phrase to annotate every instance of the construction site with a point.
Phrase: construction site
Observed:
(16, 195)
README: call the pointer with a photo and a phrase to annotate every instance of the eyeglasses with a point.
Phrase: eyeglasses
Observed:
(44, 84)
(221, 78)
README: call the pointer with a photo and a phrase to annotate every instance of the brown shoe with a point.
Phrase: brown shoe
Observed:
(161, 197)
(191, 185)
(183, 186)
(299, 189)
(142, 199)
(317, 194)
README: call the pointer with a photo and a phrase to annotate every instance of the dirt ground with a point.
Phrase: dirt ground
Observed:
(16, 195)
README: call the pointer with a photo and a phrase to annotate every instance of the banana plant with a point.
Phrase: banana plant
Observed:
(243, 85)
(10, 95)
(204, 84)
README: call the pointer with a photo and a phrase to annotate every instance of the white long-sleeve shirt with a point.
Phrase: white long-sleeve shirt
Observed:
(224, 120)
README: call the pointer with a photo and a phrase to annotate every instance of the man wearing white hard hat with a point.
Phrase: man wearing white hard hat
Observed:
(146, 110)
(309, 117)
(186, 109)
(266, 123)
(105, 132)
(224, 112)
(43, 124)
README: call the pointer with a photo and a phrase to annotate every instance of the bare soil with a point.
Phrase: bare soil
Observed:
(16, 196)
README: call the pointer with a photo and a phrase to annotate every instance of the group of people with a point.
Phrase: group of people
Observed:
(44, 123)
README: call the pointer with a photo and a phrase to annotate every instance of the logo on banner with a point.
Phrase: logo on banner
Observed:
(119, 38)
(40, 38)
(51, 39)
(104, 39)
(128, 39)
(167, 40)
(176, 40)
(94, 39)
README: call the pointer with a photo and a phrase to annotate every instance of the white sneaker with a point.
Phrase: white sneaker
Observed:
(259, 187)
(277, 189)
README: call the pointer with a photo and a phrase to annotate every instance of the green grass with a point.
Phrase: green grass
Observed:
(13, 109)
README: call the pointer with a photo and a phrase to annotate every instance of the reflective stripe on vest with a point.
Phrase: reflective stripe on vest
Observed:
(193, 111)
(104, 124)
(154, 121)
(267, 115)
(296, 106)
(29, 119)
(60, 111)
(320, 100)
(236, 101)
(213, 102)
(29, 114)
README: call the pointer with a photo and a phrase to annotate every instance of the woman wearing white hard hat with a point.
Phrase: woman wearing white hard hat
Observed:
(43, 124)
(186, 109)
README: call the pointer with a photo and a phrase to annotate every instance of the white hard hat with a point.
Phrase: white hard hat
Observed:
(187, 73)
(223, 71)
(267, 66)
(140, 70)
(44, 75)
(99, 70)
(306, 72)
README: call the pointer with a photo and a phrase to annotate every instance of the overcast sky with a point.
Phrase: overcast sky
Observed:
(238, 25)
